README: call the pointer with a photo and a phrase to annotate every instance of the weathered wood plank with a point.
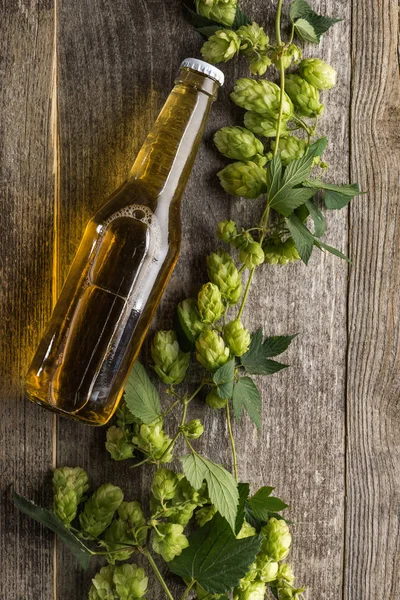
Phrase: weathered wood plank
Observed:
(373, 433)
(26, 197)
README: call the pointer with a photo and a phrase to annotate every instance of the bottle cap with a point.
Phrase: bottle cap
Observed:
(204, 67)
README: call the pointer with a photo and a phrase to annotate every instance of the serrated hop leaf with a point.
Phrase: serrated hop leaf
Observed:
(267, 571)
(170, 362)
(291, 148)
(236, 337)
(226, 231)
(223, 272)
(130, 582)
(69, 486)
(318, 73)
(189, 317)
(263, 124)
(277, 539)
(205, 514)
(220, 12)
(262, 97)
(211, 351)
(221, 47)
(169, 540)
(289, 54)
(118, 444)
(99, 510)
(153, 442)
(285, 573)
(280, 253)
(194, 429)
(209, 303)
(214, 401)
(246, 531)
(251, 253)
(246, 180)
(238, 143)
(103, 585)
(255, 591)
(304, 96)
(164, 484)
(252, 37)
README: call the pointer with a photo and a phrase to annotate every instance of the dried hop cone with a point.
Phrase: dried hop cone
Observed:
(304, 96)
(221, 47)
(220, 12)
(99, 510)
(280, 253)
(238, 143)
(69, 486)
(223, 272)
(227, 231)
(318, 73)
(118, 444)
(210, 303)
(214, 401)
(169, 540)
(237, 337)
(170, 362)
(261, 96)
(277, 539)
(291, 148)
(247, 180)
(263, 124)
(211, 351)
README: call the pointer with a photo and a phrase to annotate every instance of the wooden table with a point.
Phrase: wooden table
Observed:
(330, 441)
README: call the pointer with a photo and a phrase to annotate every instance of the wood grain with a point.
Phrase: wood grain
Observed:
(373, 419)
(26, 196)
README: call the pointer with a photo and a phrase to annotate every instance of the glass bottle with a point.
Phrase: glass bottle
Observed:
(127, 254)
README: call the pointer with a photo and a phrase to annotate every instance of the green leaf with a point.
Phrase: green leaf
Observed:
(277, 344)
(317, 217)
(274, 591)
(141, 397)
(274, 175)
(323, 246)
(240, 19)
(52, 522)
(309, 25)
(256, 360)
(287, 200)
(224, 378)
(215, 558)
(244, 490)
(246, 394)
(299, 8)
(336, 196)
(318, 147)
(303, 238)
(306, 31)
(262, 503)
(221, 484)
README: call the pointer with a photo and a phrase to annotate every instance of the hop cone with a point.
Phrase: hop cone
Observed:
(304, 96)
(252, 37)
(211, 351)
(171, 542)
(263, 124)
(103, 585)
(246, 531)
(210, 303)
(290, 54)
(118, 445)
(130, 582)
(205, 514)
(221, 47)
(99, 510)
(117, 542)
(251, 254)
(223, 272)
(238, 143)
(221, 12)
(318, 73)
(259, 64)
(255, 591)
(69, 486)
(214, 401)
(291, 148)
(247, 180)
(189, 319)
(194, 429)
(285, 573)
(267, 571)
(282, 253)
(262, 97)
(170, 362)
(236, 337)
(227, 231)
(276, 544)
(153, 441)
(164, 485)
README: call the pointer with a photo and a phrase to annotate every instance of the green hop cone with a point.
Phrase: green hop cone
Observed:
(170, 362)
(164, 485)
(285, 573)
(246, 531)
(304, 96)
(290, 54)
(238, 143)
(221, 47)
(223, 272)
(194, 429)
(251, 252)
(130, 582)
(259, 64)
(189, 319)
(169, 540)
(291, 148)
(263, 124)
(318, 73)
(214, 401)
(221, 12)
(153, 441)
(117, 542)
(261, 96)
(255, 591)
(236, 337)
(103, 585)
(267, 571)
(205, 514)
(227, 231)
(252, 37)
(211, 351)
(278, 539)
(210, 303)
(69, 486)
(289, 593)
(282, 253)
(118, 444)
(244, 179)
(99, 510)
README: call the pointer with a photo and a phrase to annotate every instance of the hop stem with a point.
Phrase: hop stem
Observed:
(157, 573)
(232, 439)
(188, 589)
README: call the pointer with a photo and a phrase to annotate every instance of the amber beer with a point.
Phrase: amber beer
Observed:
(127, 254)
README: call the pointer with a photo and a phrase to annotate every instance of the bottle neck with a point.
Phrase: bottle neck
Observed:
(163, 165)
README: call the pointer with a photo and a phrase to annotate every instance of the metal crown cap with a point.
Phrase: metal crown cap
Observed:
(204, 67)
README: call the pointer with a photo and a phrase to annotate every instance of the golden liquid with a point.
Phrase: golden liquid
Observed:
(126, 256)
